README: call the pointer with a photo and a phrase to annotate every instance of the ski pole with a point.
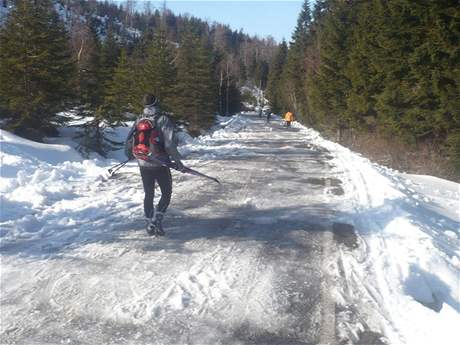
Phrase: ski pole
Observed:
(115, 166)
(185, 170)
(118, 166)
(197, 173)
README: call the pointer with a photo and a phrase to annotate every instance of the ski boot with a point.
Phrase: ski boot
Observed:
(150, 226)
(157, 223)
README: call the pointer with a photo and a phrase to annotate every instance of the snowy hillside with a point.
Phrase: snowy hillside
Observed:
(304, 242)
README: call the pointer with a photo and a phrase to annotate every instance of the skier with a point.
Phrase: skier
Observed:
(268, 116)
(152, 135)
(288, 117)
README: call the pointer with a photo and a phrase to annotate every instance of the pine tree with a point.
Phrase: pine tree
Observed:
(295, 69)
(434, 30)
(96, 99)
(110, 54)
(261, 74)
(443, 33)
(251, 68)
(274, 83)
(242, 75)
(196, 98)
(120, 95)
(391, 58)
(160, 72)
(136, 63)
(329, 86)
(420, 67)
(229, 97)
(321, 7)
(35, 65)
(394, 64)
(301, 32)
(91, 77)
(365, 78)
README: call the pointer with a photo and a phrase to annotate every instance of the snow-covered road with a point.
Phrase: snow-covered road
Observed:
(241, 263)
(290, 249)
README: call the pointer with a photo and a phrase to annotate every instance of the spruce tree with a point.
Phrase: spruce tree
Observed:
(391, 57)
(301, 32)
(242, 73)
(159, 71)
(320, 8)
(136, 64)
(419, 100)
(261, 74)
(196, 92)
(295, 69)
(362, 71)
(96, 100)
(120, 97)
(35, 65)
(274, 84)
(435, 33)
(110, 54)
(329, 86)
(91, 74)
(443, 33)
(252, 68)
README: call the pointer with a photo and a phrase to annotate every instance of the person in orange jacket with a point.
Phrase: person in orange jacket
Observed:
(288, 117)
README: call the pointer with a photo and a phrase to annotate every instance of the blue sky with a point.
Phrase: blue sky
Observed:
(255, 17)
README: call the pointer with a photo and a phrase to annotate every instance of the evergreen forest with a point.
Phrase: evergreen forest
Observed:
(380, 76)
(98, 58)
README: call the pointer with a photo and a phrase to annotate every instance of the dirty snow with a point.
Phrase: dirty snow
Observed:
(64, 262)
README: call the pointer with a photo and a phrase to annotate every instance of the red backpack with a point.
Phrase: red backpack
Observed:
(147, 140)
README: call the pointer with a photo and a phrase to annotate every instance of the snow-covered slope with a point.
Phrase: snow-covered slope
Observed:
(78, 268)
(34, 176)
(406, 264)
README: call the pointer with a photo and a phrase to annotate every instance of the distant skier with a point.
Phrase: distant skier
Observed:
(288, 117)
(268, 116)
(152, 135)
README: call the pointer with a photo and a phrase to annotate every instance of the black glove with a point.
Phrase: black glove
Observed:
(129, 149)
(129, 154)
(180, 166)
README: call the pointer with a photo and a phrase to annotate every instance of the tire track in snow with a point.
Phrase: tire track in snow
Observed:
(362, 301)
(241, 264)
(328, 325)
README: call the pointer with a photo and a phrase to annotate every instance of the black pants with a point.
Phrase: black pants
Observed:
(163, 176)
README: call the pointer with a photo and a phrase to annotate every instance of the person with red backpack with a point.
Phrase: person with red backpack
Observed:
(153, 143)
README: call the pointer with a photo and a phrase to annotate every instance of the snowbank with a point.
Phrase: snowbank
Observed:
(402, 279)
(40, 181)
(225, 127)
(34, 175)
(407, 266)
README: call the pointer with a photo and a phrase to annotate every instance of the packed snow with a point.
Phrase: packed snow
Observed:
(77, 266)
(406, 267)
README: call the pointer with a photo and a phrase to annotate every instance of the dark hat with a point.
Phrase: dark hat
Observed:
(150, 100)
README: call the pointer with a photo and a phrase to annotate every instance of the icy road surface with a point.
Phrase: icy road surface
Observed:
(242, 263)
(305, 242)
